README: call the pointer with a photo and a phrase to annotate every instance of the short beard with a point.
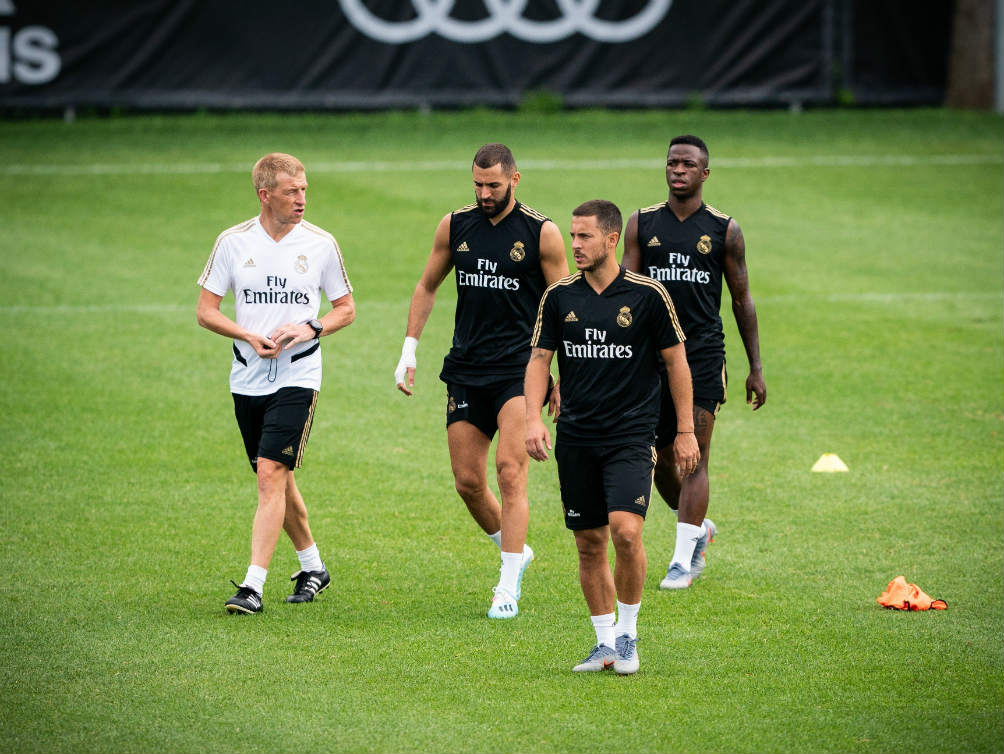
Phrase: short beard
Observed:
(597, 263)
(500, 207)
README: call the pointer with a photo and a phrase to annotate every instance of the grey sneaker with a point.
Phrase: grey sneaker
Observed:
(697, 563)
(676, 578)
(626, 659)
(601, 658)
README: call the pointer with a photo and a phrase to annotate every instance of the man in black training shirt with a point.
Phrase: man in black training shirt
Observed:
(608, 327)
(689, 246)
(504, 254)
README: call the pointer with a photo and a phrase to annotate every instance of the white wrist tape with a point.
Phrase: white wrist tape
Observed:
(409, 349)
(408, 360)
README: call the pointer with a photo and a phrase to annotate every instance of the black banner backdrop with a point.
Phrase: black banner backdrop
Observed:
(380, 53)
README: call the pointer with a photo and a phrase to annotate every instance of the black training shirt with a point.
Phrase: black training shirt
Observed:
(607, 345)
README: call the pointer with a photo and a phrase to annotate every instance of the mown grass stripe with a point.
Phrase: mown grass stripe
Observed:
(362, 166)
(871, 298)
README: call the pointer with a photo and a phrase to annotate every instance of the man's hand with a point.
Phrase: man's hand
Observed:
(406, 366)
(756, 390)
(538, 439)
(288, 335)
(554, 403)
(266, 348)
(687, 453)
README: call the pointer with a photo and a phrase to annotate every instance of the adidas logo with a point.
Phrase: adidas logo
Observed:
(654, 241)
(464, 247)
(249, 263)
(640, 500)
(288, 451)
(570, 317)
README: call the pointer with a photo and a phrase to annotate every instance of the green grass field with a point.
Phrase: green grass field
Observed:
(875, 252)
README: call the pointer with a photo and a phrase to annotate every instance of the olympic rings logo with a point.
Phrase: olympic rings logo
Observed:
(433, 16)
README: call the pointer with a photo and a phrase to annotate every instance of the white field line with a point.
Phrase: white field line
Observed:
(834, 298)
(97, 308)
(881, 298)
(158, 168)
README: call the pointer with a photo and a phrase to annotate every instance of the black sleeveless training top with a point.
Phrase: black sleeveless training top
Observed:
(499, 285)
(687, 257)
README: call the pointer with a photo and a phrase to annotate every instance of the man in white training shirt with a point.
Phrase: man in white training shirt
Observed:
(276, 264)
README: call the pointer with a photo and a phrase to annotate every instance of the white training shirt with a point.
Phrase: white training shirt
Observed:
(275, 282)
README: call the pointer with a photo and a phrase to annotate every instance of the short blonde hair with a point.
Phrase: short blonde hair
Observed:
(265, 174)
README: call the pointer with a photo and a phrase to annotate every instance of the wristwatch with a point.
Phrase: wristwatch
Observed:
(316, 326)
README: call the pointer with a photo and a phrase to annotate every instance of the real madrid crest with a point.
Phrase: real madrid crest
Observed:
(704, 245)
(624, 316)
(301, 265)
(517, 253)
(451, 405)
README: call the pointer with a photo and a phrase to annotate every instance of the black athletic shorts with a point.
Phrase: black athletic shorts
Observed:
(480, 405)
(595, 480)
(710, 380)
(276, 426)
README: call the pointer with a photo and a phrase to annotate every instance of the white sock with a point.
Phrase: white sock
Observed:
(686, 540)
(255, 578)
(509, 572)
(604, 626)
(496, 538)
(627, 620)
(310, 559)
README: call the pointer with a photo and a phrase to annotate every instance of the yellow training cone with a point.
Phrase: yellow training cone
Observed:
(830, 462)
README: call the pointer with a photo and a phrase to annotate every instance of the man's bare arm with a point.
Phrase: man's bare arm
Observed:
(538, 370)
(743, 309)
(343, 313)
(209, 316)
(632, 251)
(681, 387)
(437, 267)
(553, 262)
